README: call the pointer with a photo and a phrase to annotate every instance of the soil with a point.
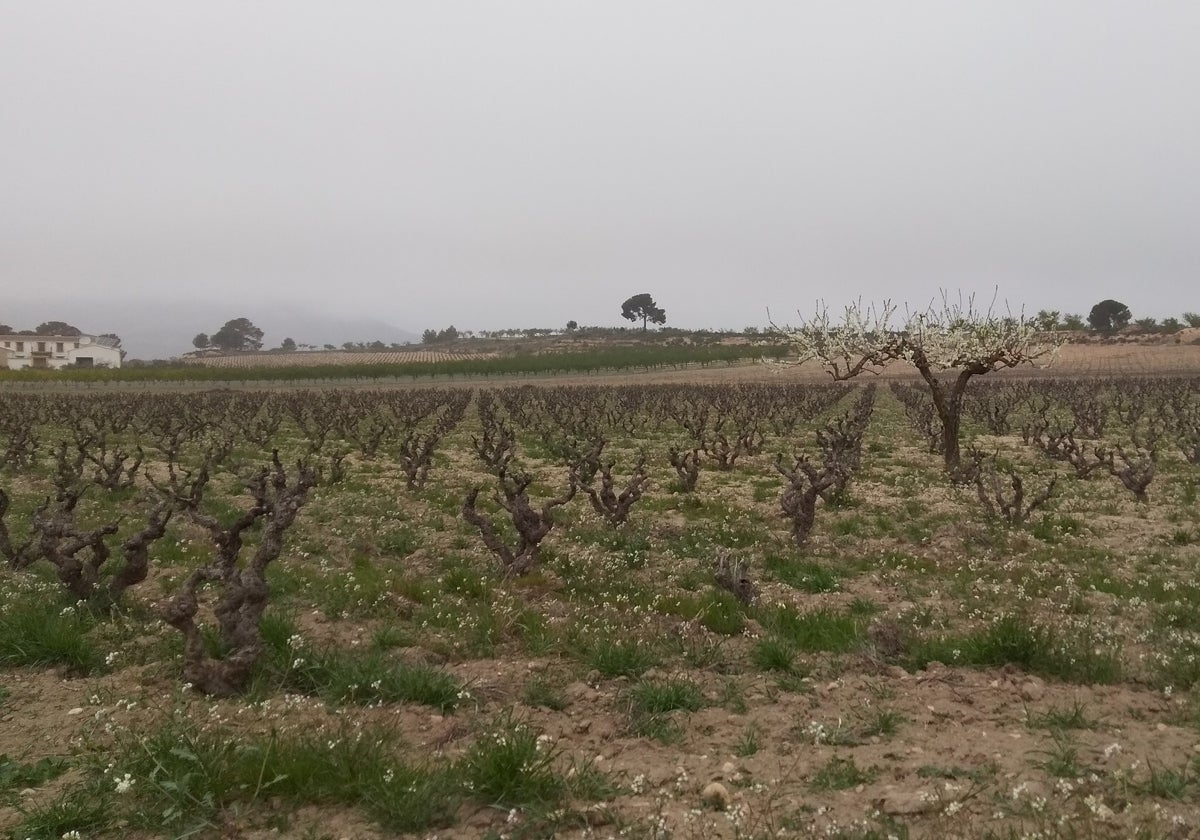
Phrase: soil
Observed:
(963, 748)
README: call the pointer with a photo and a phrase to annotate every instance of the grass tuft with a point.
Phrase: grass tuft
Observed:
(32, 635)
(508, 767)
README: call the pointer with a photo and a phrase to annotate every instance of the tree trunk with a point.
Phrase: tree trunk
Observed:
(949, 411)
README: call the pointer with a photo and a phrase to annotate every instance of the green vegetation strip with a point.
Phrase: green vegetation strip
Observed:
(588, 361)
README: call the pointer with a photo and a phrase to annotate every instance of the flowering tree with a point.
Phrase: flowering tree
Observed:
(953, 338)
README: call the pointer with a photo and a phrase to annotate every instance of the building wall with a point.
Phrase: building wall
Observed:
(22, 351)
(101, 355)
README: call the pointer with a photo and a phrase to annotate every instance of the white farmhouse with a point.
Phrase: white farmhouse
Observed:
(45, 352)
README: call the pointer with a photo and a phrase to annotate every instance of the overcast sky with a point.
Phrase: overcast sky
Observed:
(496, 164)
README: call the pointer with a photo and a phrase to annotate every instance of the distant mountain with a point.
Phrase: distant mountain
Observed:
(161, 331)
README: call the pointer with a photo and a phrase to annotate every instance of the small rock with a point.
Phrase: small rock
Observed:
(902, 803)
(604, 731)
(1032, 690)
(598, 816)
(656, 777)
(78, 710)
(729, 769)
(716, 795)
(582, 727)
(577, 691)
(1162, 727)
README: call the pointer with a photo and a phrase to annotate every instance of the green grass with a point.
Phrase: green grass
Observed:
(1074, 716)
(79, 810)
(883, 723)
(773, 654)
(185, 778)
(839, 774)
(716, 610)
(1056, 528)
(399, 542)
(749, 743)
(542, 693)
(357, 675)
(368, 677)
(15, 775)
(583, 361)
(1061, 758)
(822, 629)
(46, 634)
(1014, 640)
(1179, 667)
(507, 767)
(652, 704)
(804, 575)
(656, 697)
(1177, 785)
(392, 636)
(616, 657)
(972, 774)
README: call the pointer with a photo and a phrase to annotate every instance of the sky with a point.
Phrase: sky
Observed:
(516, 164)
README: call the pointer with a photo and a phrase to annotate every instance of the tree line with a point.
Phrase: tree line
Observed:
(1109, 316)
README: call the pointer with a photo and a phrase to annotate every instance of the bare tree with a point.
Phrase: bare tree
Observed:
(241, 582)
(806, 483)
(531, 524)
(607, 501)
(1012, 504)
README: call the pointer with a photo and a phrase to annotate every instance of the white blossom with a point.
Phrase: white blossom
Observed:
(952, 336)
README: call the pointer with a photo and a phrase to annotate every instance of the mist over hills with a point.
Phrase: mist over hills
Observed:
(160, 331)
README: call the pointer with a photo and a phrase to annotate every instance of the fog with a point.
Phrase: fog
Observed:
(518, 164)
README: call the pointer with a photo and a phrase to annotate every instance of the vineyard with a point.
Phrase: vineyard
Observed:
(311, 368)
(688, 610)
(397, 357)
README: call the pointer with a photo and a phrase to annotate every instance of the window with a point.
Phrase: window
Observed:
(76, 345)
(20, 346)
(41, 347)
(58, 347)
